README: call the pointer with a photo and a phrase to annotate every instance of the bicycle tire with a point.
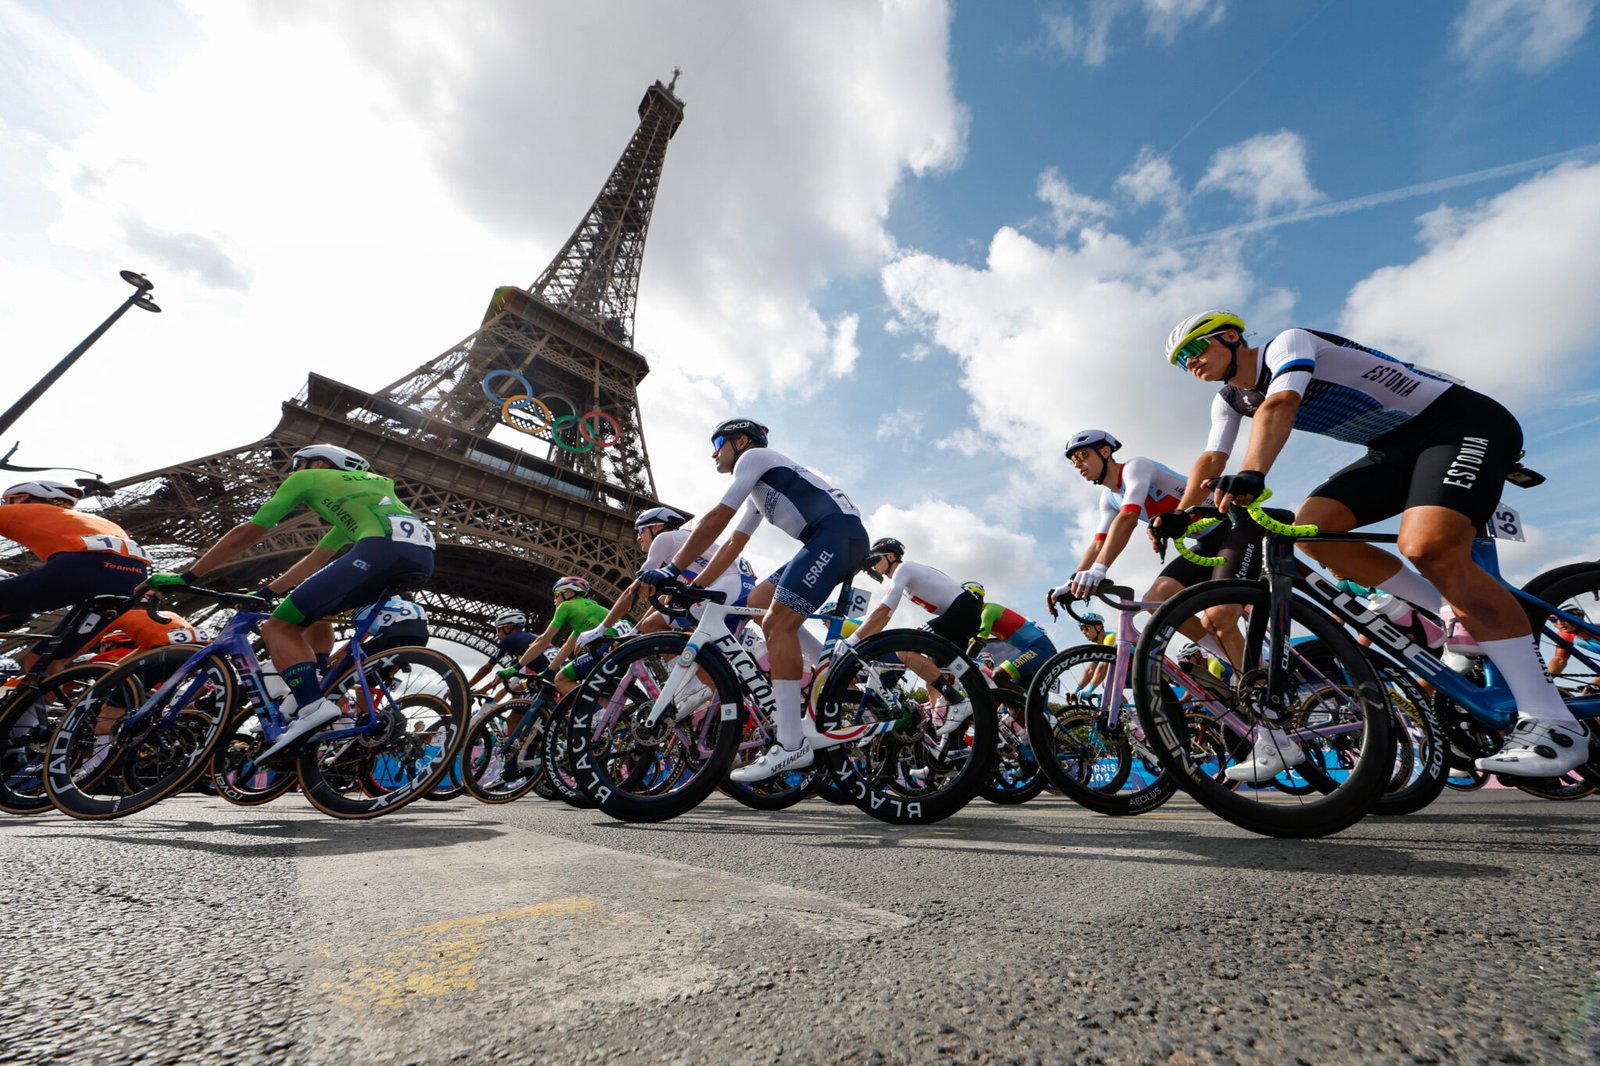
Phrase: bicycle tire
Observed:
(487, 782)
(878, 773)
(1363, 729)
(651, 775)
(1017, 776)
(180, 730)
(564, 785)
(416, 717)
(1073, 751)
(22, 758)
(1580, 583)
(776, 793)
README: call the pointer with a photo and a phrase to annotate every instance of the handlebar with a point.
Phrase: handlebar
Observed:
(674, 599)
(241, 600)
(1117, 597)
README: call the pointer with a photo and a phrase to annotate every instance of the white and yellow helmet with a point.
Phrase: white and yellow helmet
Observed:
(1196, 326)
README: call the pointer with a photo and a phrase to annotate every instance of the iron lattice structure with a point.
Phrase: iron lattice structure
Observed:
(508, 520)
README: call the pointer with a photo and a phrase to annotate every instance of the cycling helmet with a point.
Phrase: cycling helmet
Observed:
(1191, 649)
(1197, 326)
(1091, 618)
(571, 584)
(748, 426)
(665, 516)
(341, 458)
(511, 618)
(1091, 438)
(44, 490)
(974, 587)
(885, 546)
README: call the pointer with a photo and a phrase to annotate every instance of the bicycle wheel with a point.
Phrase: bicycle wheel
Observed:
(1103, 766)
(405, 716)
(564, 784)
(238, 777)
(1017, 777)
(640, 772)
(1579, 681)
(1331, 718)
(26, 722)
(142, 732)
(504, 751)
(893, 764)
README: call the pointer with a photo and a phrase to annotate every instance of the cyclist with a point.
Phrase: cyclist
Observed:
(1033, 646)
(833, 544)
(387, 545)
(401, 622)
(511, 638)
(660, 533)
(1569, 630)
(576, 611)
(84, 556)
(1093, 628)
(1437, 454)
(132, 632)
(957, 616)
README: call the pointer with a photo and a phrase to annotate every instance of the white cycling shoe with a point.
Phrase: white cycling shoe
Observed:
(312, 716)
(956, 717)
(772, 762)
(1271, 755)
(1536, 748)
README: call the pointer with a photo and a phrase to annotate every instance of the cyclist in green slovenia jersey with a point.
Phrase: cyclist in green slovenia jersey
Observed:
(387, 546)
(1437, 453)
(576, 612)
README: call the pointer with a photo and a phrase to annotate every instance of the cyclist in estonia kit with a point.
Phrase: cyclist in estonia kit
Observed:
(660, 533)
(1437, 455)
(388, 545)
(833, 545)
(576, 611)
(957, 611)
(1003, 624)
(511, 640)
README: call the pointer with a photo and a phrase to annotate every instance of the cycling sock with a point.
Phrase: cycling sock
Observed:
(302, 681)
(787, 695)
(1413, 588)
(810, 647)
(1536, 695)
(947, 690)
(322, 662)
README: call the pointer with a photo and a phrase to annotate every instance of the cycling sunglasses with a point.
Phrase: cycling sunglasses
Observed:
(717, 443)
(1190, 350)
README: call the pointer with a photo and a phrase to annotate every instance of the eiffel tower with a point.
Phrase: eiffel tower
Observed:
(508, 519)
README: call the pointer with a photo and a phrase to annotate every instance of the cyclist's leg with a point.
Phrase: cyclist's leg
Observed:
(1216, 632)
(65, 579)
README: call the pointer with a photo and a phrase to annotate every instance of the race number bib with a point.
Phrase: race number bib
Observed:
(119, 545)
(409, 529)
(1506, 524)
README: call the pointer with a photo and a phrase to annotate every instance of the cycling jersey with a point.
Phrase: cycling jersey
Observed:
(143, 632)
(579, 614)
(357, 503)
(45, 530)
(1148, 489)
(736, 582)
(931, 589)
(1347, 391)
(784, 493)
(393, 611)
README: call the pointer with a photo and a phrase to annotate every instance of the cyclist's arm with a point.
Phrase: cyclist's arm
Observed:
(705, 534)
(537, 648)
(564, 654)
(874, 623)
(1122, 528)
(725, 557)
(1270, 430)
(310, 563)
(1558, 661)
(1210, 464)
(236, 541)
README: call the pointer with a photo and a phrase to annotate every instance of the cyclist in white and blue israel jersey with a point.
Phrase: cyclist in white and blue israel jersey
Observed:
(1437, 454)
(833, 541)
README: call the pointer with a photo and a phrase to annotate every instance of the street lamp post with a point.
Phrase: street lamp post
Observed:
(140, 298)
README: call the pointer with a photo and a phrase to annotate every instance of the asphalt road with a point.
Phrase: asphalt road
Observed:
(198, 932)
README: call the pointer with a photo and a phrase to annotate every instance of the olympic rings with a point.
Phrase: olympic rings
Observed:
(530, 414)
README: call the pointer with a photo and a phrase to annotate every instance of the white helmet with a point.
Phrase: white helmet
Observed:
(44, 490)
(663, 515)
(341, 458)
(511, 618)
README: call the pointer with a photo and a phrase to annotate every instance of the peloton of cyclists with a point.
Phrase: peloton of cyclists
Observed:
(576, 611)
(1437, 455)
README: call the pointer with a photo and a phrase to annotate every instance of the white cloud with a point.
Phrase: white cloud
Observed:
(900, 424)
(1151, 180)
(1068, 209)
(1504, 294)
(1532, 34)
(1086, 35)
(1266, 171)
(968, 547)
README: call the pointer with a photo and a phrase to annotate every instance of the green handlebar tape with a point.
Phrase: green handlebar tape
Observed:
(508, 671)
(1272, 525)
(167, 581)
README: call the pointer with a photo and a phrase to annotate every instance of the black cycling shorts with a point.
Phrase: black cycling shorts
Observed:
(960, 621)
(1455, 454)
(1240, 548)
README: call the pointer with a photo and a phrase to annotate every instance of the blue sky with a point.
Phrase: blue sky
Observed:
(925, 241)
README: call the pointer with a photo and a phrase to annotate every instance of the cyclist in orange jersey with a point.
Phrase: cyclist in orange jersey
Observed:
(135, 631)
(84, 555)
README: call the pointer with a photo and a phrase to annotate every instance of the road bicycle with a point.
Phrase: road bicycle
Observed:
(403, 715)
(31, 705)
(1336, 713)
(659, 723)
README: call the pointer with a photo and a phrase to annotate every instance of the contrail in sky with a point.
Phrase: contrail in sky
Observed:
(1361, 203)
